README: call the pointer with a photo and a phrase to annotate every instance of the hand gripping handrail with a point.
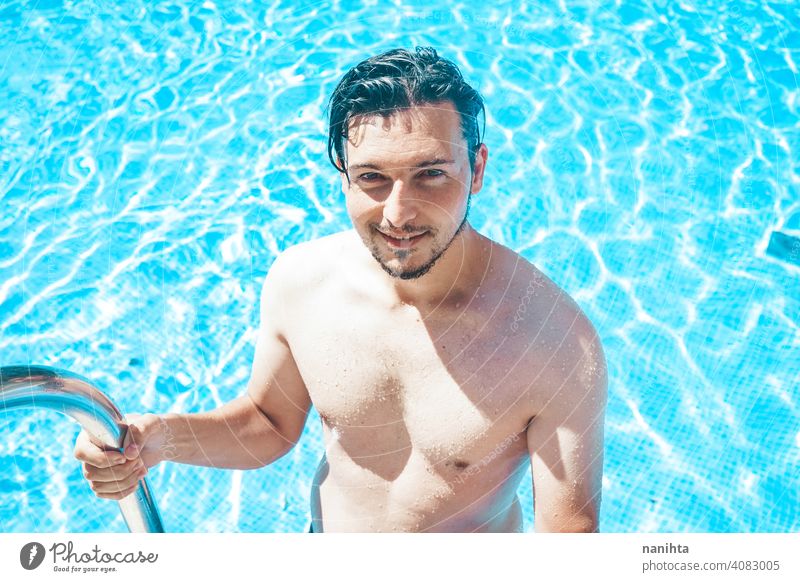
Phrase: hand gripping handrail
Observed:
(75, 396)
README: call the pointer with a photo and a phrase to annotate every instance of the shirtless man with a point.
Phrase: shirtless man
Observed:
(441, 363)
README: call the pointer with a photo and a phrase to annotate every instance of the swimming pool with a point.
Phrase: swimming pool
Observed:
(155, 160)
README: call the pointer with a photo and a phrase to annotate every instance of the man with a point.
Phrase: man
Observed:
(441, 363)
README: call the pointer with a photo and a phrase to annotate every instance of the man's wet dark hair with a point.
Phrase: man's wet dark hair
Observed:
(398, 79)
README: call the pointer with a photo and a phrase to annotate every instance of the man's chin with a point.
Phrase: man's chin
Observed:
(405, 272)
(404, 264)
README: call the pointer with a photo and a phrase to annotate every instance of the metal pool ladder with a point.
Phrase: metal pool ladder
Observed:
(75, 396)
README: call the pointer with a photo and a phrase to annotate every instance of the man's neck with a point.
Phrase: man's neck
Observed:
(453, 280)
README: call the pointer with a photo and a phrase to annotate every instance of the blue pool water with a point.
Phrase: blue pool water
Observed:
(154, 158)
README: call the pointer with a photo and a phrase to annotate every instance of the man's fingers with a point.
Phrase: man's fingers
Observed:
(89, 452)
(118, 496)
(112, 474)
(121, 485)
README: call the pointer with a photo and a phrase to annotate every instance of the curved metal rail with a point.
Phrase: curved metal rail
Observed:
(75, 396)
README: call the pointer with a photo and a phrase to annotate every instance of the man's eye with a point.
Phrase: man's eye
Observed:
(432, 173)
(369, 176)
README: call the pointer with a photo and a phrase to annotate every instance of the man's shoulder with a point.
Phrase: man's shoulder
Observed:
(549, 318)
(578, 358)
(311, 250)
(556, 308)
(310, 261)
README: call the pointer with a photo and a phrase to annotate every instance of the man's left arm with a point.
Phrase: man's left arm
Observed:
(565, 441)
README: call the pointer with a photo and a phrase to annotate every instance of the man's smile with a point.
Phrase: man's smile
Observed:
(402, 241)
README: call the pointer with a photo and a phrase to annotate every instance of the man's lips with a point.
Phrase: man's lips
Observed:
(402, 241)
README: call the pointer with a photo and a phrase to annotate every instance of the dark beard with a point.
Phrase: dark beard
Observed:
(422, 270)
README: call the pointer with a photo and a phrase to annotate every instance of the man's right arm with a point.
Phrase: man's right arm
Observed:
(266, 422)
(251, 431)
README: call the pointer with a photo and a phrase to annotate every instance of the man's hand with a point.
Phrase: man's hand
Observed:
(113, 474)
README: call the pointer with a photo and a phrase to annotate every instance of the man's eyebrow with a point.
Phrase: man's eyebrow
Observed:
(435, 162)
(425, 164)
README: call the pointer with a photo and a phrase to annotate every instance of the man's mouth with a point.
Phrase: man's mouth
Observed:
(402, 241)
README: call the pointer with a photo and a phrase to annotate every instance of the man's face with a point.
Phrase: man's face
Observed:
(410, 183)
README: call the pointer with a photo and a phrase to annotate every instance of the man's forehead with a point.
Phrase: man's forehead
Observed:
(440, 115)
(426, 132)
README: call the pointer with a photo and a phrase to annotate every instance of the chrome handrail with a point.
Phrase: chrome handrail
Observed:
(75, 396)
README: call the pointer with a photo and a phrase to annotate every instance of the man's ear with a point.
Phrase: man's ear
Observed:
(481, 156)
(345, 183)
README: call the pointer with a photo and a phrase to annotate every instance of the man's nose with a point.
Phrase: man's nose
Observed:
(400, 207)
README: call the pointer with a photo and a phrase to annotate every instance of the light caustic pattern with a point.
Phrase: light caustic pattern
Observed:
(154, 159)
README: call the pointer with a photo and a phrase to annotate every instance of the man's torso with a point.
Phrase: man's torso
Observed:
(424, 411)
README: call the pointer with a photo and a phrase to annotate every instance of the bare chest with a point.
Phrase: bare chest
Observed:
(449, 388)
